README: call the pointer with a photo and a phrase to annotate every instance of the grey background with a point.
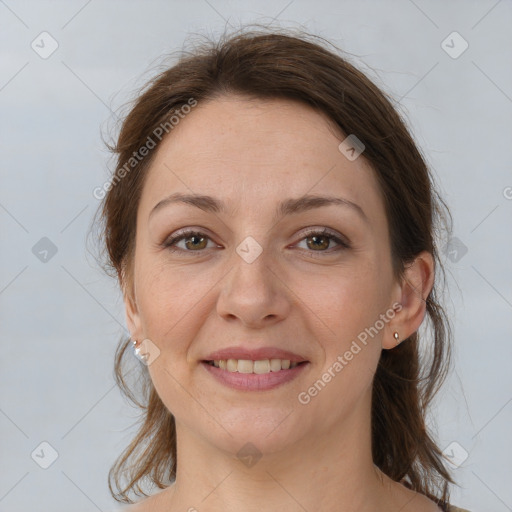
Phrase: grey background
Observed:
(60, 320)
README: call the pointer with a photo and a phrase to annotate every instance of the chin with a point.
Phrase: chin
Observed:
(268, 431)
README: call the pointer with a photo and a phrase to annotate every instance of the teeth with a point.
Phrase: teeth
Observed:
(261, 366)
(275, 365)
(244, 366)
(258, 367)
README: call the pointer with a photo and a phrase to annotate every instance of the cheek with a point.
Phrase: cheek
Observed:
(170, 304)
(349, 304)
(346, 299)
(171, 301)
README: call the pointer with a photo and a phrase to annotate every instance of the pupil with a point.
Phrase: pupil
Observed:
(317, 238)
(196, 240)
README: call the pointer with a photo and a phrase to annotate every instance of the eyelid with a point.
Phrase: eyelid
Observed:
(170, 241)
(184, 233)
(338, 237)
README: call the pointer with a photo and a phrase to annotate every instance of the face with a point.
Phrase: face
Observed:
(261, 272)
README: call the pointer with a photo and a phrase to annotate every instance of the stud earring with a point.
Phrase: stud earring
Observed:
(397, 339)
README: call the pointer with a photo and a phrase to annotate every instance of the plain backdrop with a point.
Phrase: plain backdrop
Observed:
(66, 65)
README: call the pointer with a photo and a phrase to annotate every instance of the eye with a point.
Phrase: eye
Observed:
(196, 241)
(320, 240)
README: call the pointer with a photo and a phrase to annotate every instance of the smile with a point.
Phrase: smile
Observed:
(258, 375)
(248, 366)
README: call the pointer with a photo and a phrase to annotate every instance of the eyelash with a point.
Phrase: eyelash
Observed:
(169, 243)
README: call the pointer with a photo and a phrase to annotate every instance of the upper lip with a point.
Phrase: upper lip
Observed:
(254, 354)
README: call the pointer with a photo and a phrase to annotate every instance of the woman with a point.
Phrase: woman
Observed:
(272, 223)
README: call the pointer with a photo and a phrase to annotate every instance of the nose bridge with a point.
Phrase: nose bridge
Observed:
(251, 268)
(251, 291)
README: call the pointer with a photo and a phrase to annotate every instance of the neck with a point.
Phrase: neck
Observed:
(331, 470)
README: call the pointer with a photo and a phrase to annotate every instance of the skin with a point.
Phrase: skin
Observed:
(253, 154)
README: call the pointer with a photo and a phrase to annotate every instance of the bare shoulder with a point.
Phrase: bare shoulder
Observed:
(141, 506)
(412, 501)
(405, 499)
(136, 507)
(145, 505)
(156, 503)
(422, 503)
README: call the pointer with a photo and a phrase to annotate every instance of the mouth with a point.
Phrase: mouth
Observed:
(254, 375)
(259, 367)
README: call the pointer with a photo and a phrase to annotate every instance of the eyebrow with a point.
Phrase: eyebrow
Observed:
(286, 207)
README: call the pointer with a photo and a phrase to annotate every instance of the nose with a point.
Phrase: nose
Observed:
(254, 293)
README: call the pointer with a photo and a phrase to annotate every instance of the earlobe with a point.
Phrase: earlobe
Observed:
(415, 288)
(132, 316)
(392, 335)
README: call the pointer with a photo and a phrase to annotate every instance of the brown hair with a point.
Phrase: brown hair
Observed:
(277, 64)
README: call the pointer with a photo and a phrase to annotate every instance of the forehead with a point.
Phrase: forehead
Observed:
(256, 152)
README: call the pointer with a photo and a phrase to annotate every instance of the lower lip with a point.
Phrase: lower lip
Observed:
(254, 381)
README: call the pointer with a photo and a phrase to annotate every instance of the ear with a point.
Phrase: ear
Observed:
(132, 313)
(412, 294)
